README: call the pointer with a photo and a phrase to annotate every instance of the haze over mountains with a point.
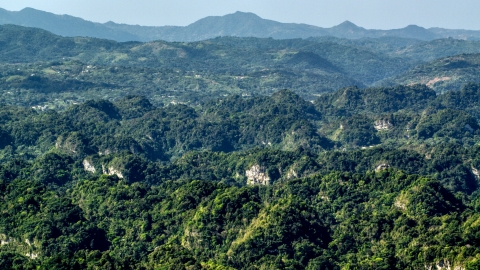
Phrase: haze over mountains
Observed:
(239, 24)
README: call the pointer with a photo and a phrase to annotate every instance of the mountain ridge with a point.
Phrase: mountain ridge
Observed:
(241, 24)
(62, 24)
(232, 64)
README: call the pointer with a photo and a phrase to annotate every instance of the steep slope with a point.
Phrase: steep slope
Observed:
(439, 48)
(82, 187)
(350, 101)
(445, 74)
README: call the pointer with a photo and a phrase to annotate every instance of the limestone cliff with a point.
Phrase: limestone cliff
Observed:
(382, 125)
(257, 175)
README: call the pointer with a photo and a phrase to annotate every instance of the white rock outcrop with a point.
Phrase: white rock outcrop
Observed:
(382, 167)
(476, 173)
(104, 153)
(292, 174)
(88, 166)
(4, 240)
(257, 176)
(382, 125)
(32, 255)
(444, 265)
(400, 205)
(112, 171)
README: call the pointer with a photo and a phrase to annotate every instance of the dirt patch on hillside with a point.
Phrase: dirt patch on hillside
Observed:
(437, 79)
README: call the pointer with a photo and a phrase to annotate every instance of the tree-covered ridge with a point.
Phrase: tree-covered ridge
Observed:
(58, 85)
(381, 220)
(189, 156)
(268, 182)
(241, 24)
(353, 100)
(349, 117)
(442, 75)
(39, 68)
(160, 133)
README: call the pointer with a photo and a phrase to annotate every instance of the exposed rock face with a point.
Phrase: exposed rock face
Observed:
(476, 173)
(16, 245)
(444, 265)
(32, 255)
(257, 176)
(88, 166)
(400, 204)
(191, 239)
(4, 240)
(382, 125)
(112, 171)
(104, 153)
(381, 167)
(292, 174)
(437, 79)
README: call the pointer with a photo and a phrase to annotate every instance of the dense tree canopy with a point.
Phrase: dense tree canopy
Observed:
(130, 185)
(191, 156)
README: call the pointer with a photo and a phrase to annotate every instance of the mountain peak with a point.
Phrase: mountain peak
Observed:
(347, 25)
(30, 10)
(239, 23)
(414, 31)
(243, 15)
(414, 26)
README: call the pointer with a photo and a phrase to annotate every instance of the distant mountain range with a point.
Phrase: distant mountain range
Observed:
(238, 24)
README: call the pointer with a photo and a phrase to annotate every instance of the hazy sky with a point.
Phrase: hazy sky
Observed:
(373, 14)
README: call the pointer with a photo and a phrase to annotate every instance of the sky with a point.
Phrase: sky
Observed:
(371, 14)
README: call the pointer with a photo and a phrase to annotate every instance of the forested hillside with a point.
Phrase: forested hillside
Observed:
(42, 69)
(238, 153)
(442, 75)
(264, 182)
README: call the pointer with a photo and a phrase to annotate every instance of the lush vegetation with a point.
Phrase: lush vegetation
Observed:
(189, 156)
(442, 75)
(130, 185)
(378, 220)
(41, 69)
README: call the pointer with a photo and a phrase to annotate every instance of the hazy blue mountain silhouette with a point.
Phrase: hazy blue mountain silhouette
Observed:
(240, 24)
(64, 25)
